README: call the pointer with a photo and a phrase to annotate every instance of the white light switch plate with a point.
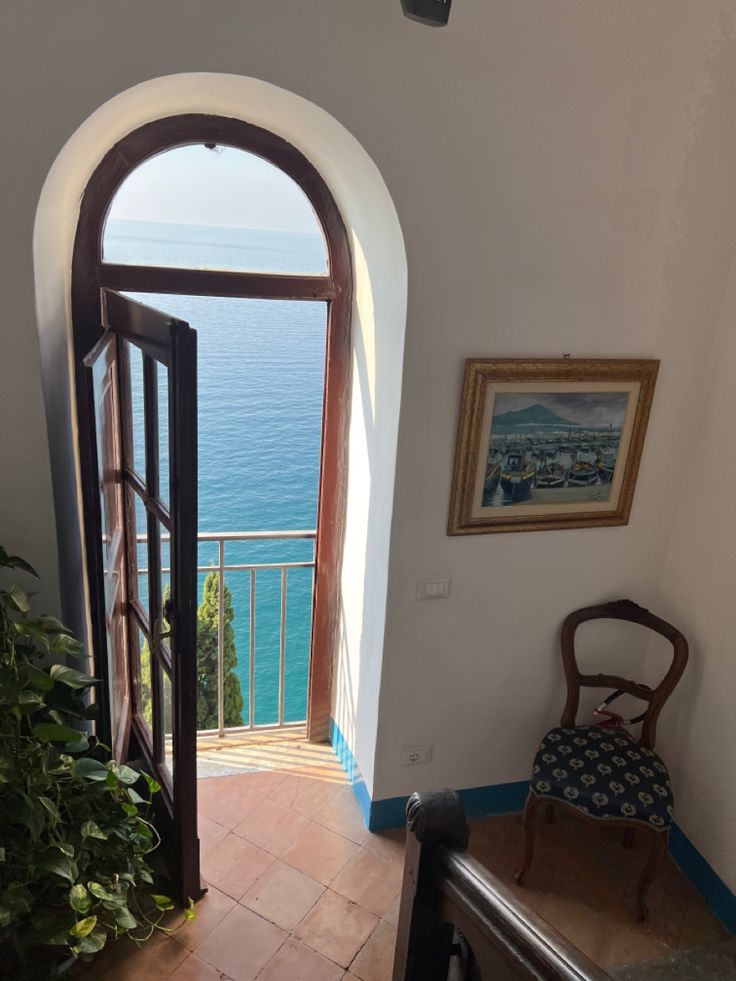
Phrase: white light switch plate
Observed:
(436, 588)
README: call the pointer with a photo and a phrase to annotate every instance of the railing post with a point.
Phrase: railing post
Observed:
(221, 640)
(424, 942)
(282, 647)
(252, 654)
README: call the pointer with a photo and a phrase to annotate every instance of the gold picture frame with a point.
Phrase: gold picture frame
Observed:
(546, 444)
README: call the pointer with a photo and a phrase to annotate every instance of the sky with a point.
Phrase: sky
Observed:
(192, 185)
(584, 408)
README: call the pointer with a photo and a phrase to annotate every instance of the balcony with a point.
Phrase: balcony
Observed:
(254, 573)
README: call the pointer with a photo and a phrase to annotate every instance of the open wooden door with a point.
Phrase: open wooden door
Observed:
(142, 379)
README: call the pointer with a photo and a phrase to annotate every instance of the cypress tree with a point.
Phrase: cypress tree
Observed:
(207, 617)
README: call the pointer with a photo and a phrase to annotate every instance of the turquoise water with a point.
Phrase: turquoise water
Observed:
(260, 388)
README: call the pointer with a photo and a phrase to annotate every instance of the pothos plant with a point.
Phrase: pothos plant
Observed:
(74, 825)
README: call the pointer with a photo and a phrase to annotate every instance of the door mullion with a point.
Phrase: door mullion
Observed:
(150, 426)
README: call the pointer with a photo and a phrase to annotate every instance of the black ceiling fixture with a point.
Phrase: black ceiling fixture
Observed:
(436, 13)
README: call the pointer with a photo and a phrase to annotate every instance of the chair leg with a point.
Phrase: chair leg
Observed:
(628, 837)
(549, 814)
(656, 854)
(529, 822)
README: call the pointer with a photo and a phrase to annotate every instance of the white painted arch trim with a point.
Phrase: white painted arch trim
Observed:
(379, 320)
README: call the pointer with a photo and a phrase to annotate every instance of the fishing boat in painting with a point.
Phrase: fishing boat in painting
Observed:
(606, 464)
(583, 472)
(551, 474)
(517, 478)
(493, 476)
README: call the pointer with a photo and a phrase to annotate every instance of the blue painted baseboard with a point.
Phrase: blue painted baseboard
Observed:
(508, 798)
(705, 879)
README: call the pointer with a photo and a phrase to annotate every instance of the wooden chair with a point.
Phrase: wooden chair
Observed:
(605, 774)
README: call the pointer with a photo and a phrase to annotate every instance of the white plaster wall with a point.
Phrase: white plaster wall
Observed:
(698, 587)
(563, 174)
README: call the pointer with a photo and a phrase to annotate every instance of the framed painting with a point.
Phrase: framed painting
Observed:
(549, 444)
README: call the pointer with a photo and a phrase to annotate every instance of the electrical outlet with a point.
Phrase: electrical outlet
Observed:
(413, 755)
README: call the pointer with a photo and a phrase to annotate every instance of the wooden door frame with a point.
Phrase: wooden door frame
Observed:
(90, 274)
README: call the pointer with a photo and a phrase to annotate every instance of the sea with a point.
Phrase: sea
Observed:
(260, 390)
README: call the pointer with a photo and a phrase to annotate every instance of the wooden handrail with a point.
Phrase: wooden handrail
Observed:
(458, 921)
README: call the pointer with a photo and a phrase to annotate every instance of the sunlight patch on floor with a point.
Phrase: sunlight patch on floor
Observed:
(276, 750)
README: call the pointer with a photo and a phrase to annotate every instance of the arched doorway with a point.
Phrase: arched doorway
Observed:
(110, 330)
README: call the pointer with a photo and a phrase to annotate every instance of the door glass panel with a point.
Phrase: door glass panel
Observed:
(136, 402)
(168, 720)
(214, 210)
(144, 701)
(163, 432)
(138, 550)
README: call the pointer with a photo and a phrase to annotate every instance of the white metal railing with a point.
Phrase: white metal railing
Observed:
(222, 538)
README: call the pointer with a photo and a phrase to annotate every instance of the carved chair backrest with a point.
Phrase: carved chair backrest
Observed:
(621, 610)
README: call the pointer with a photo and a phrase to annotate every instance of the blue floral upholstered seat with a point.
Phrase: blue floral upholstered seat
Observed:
(604, 773)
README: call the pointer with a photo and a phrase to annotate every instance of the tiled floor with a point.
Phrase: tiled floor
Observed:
(299, 891)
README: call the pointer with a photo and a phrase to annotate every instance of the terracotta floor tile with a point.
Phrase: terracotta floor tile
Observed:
(388, 845)
(369, 881)
(700, 926)
(375, 962)
(272, 826)
(234, 865)
(241, 945)
(392, 913)
(211, 909)
(283, 895)
(304, 794)
(295, 962)
(124, 960)
(342, 815)
(319, 853)
(264, 781)
(210, 833)
(226, 800)
(194, 969)
(337, 928)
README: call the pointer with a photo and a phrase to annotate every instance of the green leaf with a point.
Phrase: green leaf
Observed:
(79, 898)
(52, 809)
(99, 892)
(38, 679)
(64, 644)
(90, 769)
(130, 809)
(124, 773)
(70, 677)
(58, 863)
(152, 785)
(65, 847)
(18, 597)
(90, 829)
(125, 919)
(162, 902)
(133, 795)
(80, 746)
(29, 702)
(94, 942)
(15, 562)
(48, 732)
(83, 928)
(17, 898)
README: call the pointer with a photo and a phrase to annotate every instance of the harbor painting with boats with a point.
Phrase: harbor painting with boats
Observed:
(553, 447)
(548, 443)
